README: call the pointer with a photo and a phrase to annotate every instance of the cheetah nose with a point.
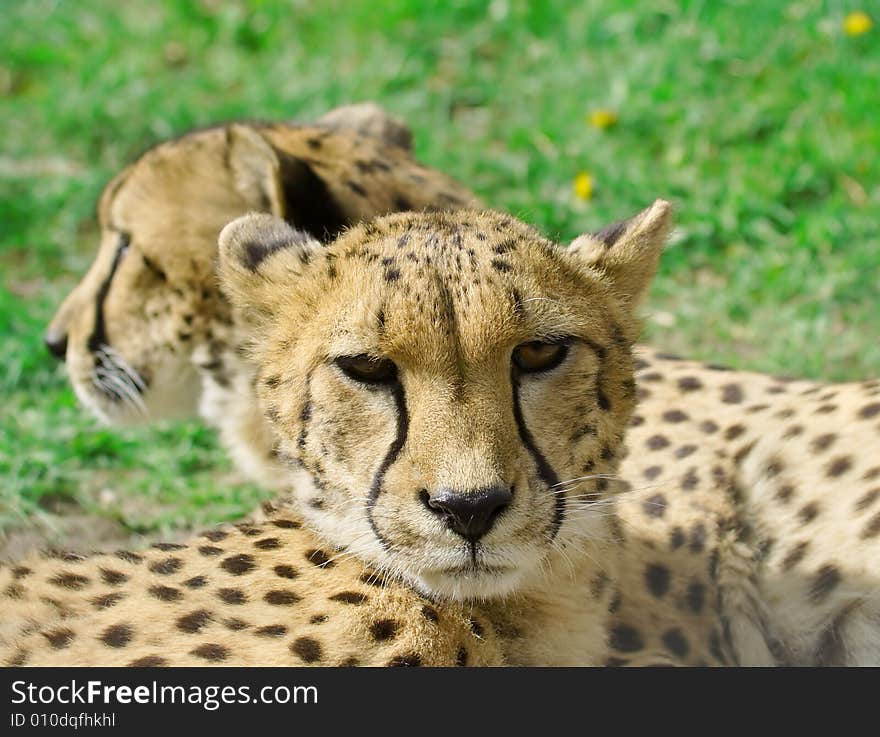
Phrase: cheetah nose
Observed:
(469, 513)
(56, 343)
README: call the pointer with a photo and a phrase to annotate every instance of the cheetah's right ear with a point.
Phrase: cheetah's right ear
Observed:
(626, 253)
(259, 254)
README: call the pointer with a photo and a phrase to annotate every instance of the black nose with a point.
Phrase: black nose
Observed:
(56, 343)
(469, 513)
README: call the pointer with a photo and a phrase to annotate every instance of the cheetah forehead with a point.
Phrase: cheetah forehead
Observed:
(478, 277)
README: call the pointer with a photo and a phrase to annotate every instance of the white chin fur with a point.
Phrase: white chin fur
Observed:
(471, 586)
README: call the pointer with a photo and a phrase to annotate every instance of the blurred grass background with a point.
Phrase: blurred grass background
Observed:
(759, 120)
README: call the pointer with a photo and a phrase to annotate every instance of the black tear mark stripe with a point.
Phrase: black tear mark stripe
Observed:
(391, 456)
(545, 470)
(98, 338)
(602, 355)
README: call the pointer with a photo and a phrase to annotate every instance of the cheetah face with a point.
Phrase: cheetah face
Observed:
(452, 388)
(129, 330)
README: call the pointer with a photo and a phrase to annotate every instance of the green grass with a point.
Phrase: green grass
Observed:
(759, 120)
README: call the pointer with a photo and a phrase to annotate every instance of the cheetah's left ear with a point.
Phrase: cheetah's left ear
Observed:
(259, 255)
(628, 252)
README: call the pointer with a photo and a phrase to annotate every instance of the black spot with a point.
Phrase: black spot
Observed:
(384, 629)
(196, 582)
(194, 621)
(870, 410)
(166, 566)
(271, 630)
(824, 582)
(211, 652)
(430, 613)
(872, 528)
(499, 265)
(626, 639)
(808, 512)
(657, 442)
(59, 639)
(731, 394)
(286, 524)
(657, 579)
(689, 384)
(655, 506)
(216, 535)
(696, 594)
(71, 581)
(148, 661)
(239, 564)
(319, 558)
(675, 642)
(209, 550)
(307, 648)
(166, 593)
(676, 538)
(117, 635)
(461, 659)
(285, 571)
(734, 431)
(795, 555)
(281, 597)
(674, 415)
(105, 601)
(232, 596)
(268, 543)
(839, 466)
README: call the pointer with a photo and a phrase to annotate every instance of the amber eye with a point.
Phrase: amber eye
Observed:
(537, 356)
(367, 369)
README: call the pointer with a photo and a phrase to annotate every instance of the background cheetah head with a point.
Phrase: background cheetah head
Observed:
(451, 388)
(128, 330)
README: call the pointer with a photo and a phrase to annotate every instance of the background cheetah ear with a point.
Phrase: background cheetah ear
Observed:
(370, 119)
(259, 255)
(255, 168)
(627, 252)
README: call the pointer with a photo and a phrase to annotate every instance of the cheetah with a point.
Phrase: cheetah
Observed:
(453, 397)
(146, 334)
(746, 508)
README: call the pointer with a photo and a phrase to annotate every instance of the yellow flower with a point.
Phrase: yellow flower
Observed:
(857, 23)
(602, 118)
(583, 186)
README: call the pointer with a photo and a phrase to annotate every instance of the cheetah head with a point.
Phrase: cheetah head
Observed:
(451, 390)
(128, 330)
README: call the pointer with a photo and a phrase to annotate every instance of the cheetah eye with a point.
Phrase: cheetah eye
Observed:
(367, 369)
(534, 357)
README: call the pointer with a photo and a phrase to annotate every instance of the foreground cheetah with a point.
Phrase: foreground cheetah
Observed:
(450, 393)
(146, 333)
